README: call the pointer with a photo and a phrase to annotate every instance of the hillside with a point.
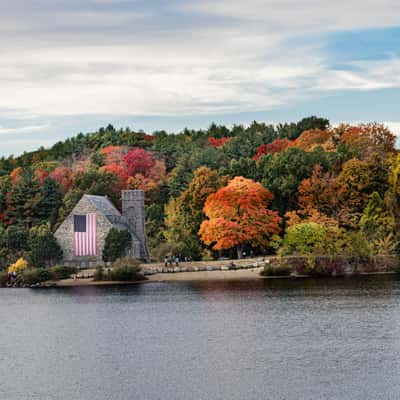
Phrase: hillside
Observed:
(341, 179)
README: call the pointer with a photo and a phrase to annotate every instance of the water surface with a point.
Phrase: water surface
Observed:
(262, 339)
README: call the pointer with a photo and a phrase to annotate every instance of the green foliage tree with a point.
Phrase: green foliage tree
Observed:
(376, 221)
(44, 248)
(282, 174)
(23, 199)
(116, 244)
(50, 202)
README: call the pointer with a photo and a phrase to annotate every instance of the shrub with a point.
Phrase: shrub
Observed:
(99, 274)
(32, 276)
(62, 272)
(279, 270)
(116, 244)
(305, 238)
(125, 269)
(20, 265)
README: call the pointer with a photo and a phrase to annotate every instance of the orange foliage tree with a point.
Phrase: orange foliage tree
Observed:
(312, 138)
(319, 199)
(276, 146)
(153, 177)
(16, 175)
(113, 155)
(238, 214)
(368, 138)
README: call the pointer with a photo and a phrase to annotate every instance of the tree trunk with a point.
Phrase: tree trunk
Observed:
(239, 249)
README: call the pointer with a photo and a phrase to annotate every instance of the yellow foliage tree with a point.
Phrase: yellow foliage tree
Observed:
(20, 265)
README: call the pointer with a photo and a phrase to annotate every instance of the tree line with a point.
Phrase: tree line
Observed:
(217, 192)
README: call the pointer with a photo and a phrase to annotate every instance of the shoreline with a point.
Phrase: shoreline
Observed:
(234, 275)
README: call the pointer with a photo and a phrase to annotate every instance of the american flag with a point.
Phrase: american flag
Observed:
(85, 235)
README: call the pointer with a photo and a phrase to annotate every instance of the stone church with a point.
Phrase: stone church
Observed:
(82, 234)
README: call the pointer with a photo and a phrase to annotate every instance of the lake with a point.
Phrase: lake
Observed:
(336, 338)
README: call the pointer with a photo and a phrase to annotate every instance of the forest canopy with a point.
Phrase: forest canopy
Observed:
(211, 192)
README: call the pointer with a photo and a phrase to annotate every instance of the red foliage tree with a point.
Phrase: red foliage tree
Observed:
(41, 175)
(63, 176)
(276, 146)
(120, 172)
(217, 142)
(139, 161)
(238, 213)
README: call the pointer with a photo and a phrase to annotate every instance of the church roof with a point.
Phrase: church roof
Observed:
(107, 208)
(104, 205)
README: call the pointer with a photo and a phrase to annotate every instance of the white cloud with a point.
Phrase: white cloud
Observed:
(69, 58)
(22, 129)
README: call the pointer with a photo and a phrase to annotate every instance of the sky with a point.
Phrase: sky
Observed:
(70, 66)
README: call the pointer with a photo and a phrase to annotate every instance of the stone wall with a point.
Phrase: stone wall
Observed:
(340, 265)
(65, 235)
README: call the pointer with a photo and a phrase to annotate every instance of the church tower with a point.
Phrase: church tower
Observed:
(134, 214)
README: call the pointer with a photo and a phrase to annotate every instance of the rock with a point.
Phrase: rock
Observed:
(224, 268)
(177, 269)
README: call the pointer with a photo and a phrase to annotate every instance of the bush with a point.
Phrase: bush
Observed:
(32, 276)
(305, 238)
(125, 269)
(116, 244)
(279, 270)
(62, 272)
(99, 274)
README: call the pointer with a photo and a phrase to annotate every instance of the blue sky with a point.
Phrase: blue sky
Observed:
(68, 66)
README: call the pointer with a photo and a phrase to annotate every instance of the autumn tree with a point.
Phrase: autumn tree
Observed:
(63, 176)
(276, 146)
(184, 214)
(320, 198)
(139, 161)
(121, 174)
(357, 181)
(376, 220)
(368, 139)
(238, 214)
(313, 138)
(113, 155)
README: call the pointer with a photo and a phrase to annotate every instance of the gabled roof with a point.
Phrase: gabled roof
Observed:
(104, 205)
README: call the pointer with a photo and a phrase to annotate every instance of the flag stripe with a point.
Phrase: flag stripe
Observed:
(85, 235)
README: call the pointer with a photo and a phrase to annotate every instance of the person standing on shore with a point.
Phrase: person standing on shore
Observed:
(165, 264)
